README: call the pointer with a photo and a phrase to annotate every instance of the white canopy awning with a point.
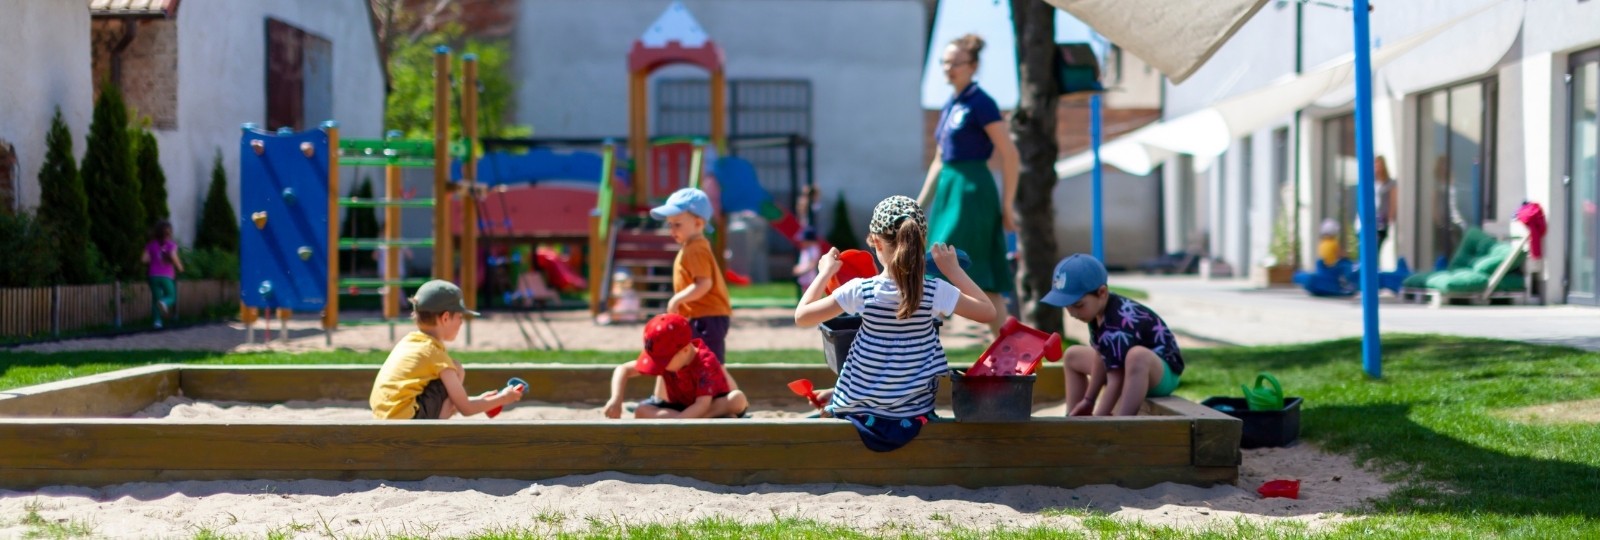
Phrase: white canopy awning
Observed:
(1175, 37)
(1206, 133)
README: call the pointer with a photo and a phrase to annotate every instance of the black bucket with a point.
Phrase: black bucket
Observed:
(837, 335)
(1262, 429)
(991, 399)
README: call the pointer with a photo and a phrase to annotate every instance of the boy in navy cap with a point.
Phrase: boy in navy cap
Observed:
(1131, 353)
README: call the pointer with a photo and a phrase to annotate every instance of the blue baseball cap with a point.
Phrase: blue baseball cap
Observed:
(689, 200)
(1075, 276)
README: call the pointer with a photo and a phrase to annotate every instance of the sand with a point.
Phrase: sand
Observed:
(753, 329)
(442, 506)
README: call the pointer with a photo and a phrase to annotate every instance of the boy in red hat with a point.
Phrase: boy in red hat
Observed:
(693, 383)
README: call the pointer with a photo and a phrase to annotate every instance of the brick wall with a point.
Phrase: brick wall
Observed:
(149, 67)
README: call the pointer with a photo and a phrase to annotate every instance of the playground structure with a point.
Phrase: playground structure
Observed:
(79, 434)
(289, 243)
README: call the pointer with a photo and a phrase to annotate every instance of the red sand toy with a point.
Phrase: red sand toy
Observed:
(514, 382)
(803, 388)
(1017, 352)
(1288, 489)
(853, 263)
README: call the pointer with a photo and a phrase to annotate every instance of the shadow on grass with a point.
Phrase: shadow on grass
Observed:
(1453, 476)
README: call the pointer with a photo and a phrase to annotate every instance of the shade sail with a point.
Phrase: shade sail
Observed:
(1208, 132)
(1173, 36)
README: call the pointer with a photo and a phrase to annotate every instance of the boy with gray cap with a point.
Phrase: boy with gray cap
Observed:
(419, 380)
(1131, 353)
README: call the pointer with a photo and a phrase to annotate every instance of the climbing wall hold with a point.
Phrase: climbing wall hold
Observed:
(260, 219)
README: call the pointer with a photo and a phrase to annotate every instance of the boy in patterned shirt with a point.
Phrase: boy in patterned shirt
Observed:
(1131, 353)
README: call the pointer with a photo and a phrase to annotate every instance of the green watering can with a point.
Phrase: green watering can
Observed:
(1262, 398)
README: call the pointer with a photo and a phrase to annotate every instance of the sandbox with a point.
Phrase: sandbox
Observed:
(77, 432)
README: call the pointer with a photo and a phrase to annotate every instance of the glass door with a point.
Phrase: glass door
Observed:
(1583, 180)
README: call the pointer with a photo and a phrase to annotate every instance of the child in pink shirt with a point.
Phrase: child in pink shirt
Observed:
(162, 256)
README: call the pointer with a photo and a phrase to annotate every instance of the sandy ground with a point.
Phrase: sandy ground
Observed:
(752, 329)
(452, 506)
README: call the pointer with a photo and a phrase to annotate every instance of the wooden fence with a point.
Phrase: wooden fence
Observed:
(51, 311)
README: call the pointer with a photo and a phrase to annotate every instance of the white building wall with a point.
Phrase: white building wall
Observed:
(863, 59)
(45, 66)
(222, 84)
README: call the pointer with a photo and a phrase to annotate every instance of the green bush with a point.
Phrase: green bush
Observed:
(359, 223)
(28, 246)
(117, 224)
(64, 209)
(210, 264)
(152, 180)
(219, 226)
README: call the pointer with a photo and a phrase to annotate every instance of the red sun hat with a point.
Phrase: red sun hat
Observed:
(664, 336)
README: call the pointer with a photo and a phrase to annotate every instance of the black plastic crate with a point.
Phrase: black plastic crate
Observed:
(991, 399)
(837, 335)
(1262, 429)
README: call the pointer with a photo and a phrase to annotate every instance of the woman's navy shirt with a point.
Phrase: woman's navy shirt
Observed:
(960, 132)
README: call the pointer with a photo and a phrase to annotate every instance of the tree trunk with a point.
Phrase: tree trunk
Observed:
(1033, 126)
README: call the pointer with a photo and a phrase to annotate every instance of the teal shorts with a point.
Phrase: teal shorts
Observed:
(1169, 382)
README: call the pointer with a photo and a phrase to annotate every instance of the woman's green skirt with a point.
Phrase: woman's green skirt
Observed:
(966, 214)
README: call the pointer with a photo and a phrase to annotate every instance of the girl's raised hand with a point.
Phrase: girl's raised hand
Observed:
(944, 257)
(828, 265)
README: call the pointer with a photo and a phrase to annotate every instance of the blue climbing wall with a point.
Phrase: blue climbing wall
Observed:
(292, 189)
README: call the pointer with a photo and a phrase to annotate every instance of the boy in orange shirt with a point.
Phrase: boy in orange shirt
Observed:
(701, 295)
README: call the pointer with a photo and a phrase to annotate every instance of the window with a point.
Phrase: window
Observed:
(299, 77)
(1337, 189)
(1455, 165)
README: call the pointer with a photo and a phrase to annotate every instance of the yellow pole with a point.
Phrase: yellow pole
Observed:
(330, 306)
(469, 179)
(391, 232)
(441, 164)
(639, 137)
(719, 108)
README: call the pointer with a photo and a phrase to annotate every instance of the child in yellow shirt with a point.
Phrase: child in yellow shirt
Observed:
(419, 380)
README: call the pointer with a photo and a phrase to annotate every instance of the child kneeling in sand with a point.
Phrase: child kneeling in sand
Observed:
(1131, 353)
(419, 380)
(693, 384)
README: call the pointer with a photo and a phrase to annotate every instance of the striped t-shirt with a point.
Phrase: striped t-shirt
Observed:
(894, 365)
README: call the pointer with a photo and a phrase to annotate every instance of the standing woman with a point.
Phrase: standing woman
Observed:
(965, 208)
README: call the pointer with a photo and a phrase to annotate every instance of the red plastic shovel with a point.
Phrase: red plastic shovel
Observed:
(804, 389)
(514, 382)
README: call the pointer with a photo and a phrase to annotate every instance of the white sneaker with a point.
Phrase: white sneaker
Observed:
(158, 325)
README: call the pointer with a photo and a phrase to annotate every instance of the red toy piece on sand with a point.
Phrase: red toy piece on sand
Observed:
(853, 263)
(1017, 352)
(1288, 489)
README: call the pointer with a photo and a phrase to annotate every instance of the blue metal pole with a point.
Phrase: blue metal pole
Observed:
(1097, 228)
(1371, 359)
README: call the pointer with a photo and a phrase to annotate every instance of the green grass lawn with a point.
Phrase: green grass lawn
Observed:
(779, 294)
(1465, 471)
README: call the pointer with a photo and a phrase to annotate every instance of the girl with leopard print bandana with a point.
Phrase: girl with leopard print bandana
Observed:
(891, 374)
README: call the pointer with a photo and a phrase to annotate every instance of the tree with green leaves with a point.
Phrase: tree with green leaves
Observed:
(63, 208)
(842, 235)
(152, 180)
(219, 226)
(1033, 127)
(410, 107)
(117, 224)
(359, 223)
(29, 249)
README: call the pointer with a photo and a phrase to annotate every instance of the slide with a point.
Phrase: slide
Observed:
(741, 191)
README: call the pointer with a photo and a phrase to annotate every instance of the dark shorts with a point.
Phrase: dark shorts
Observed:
(654, 401)
(714, 332)
(431, 401)
(882, 433)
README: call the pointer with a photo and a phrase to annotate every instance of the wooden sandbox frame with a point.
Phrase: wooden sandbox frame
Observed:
(70, 433)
